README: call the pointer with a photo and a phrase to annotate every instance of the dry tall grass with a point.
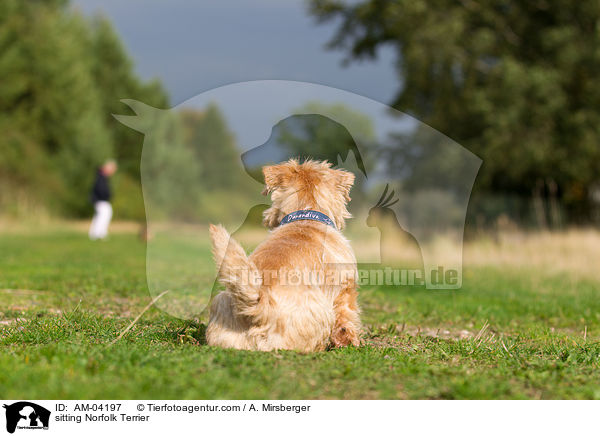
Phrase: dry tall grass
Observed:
(575, 251)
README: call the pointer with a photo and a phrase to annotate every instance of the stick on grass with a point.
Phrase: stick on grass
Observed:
(158, 297)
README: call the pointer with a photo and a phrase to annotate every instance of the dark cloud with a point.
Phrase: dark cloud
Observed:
(196, 46)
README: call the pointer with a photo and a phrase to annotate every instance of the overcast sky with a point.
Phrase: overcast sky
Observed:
(194, 46)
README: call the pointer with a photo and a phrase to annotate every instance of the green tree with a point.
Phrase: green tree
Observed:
(50, 97)
(317, 135)
(214, 146)
(62, 77)
(114, 74)
(513, 81)
(170, 171)
(221, 175)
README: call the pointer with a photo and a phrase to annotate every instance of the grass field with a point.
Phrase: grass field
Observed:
(525, 325)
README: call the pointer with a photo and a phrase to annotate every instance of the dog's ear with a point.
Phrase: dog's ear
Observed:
(273, 175)
(344, 182)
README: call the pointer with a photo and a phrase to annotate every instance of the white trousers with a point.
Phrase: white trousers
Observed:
(101, 220)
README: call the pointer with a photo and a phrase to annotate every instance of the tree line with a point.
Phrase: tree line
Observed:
(512, 81)
(62, 76)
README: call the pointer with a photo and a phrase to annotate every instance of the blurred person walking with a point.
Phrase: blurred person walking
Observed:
(100, 197)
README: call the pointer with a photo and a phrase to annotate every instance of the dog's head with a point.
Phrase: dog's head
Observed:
(309, 185)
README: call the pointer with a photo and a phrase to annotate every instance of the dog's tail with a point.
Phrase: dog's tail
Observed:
(236, 271)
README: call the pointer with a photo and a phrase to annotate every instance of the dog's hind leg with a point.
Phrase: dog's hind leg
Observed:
(346, 330)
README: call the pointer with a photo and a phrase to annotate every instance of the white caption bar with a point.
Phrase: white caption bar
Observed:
(40, 417)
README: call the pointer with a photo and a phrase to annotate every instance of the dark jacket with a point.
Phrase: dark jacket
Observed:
(101, 189)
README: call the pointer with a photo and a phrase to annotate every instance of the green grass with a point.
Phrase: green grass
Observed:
(512, 333)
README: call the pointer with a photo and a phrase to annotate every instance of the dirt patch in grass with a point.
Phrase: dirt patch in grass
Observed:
(11, 321)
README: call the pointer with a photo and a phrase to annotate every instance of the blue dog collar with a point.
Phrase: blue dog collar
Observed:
(307, 215)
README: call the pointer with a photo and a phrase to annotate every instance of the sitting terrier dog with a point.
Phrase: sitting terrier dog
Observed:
(297, 290)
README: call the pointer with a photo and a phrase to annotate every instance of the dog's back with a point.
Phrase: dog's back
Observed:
(301, 269)
(304, 267)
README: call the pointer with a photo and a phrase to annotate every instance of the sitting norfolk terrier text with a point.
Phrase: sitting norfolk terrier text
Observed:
(297, 290)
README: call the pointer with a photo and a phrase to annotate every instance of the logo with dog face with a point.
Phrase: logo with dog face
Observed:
(202, 163)
(25, 415)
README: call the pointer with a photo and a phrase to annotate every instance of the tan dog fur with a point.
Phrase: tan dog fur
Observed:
(260, 311)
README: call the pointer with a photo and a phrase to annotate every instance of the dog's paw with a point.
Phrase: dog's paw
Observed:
(343, 336)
